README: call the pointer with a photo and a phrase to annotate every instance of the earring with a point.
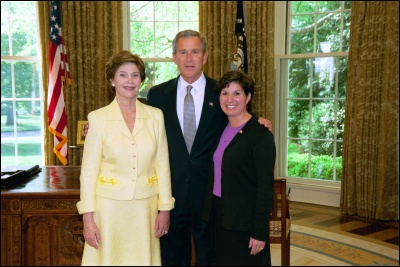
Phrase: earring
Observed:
(113, 85)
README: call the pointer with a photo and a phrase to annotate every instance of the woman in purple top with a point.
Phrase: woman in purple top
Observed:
(240, 189)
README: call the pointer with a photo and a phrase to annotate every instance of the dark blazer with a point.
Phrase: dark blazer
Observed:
(247, 181)
(189, 173)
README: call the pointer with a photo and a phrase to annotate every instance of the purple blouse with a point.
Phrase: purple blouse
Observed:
(224, 141)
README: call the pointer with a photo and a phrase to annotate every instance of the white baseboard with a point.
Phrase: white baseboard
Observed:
(314, 193)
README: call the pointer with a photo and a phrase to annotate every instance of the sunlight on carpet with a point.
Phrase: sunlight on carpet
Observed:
(318, 247)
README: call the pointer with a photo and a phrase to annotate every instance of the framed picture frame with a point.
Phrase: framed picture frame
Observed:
(80, 137)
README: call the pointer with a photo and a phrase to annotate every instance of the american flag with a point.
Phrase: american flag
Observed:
(59, 78)
(239, 61)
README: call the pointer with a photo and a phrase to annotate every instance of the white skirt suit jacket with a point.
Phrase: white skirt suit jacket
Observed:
(121, 165)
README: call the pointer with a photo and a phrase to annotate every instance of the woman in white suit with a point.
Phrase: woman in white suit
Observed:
(125, 195)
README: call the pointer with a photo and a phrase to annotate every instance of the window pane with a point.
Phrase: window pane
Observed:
(297, 165)
(164, 39)
(189, 11)
(156, 73)
(27, 80)
(29, 151)
(299, 81)
(346, 32)
(331, 23)
(330, 38)
(166, 10)
(24, 36)
(5, 34)
(324, 77)
(7, 119)
(342, 75)
(28, 118)
(4, 8)
(165, 71)
(6, 83)
(340, 119)
(141, 11)
(302, 39)
(153, 25)
(142, 39)
(338, 165)
(347, 4)
(312, 140)
(23, 9)
(301, 7)
(7, 116)
(8, 157)
(322, 164)
(21, 92)
(324, 6)
(323, 120)
(298, 118)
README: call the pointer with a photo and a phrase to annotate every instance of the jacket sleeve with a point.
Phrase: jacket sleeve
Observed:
(165, 200)
(90, 164)
(264, 156)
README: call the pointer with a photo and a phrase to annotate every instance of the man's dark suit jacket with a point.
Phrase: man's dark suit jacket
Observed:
(189, 173)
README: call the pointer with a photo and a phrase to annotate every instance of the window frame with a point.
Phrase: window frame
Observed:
(282, 53)
(126, 42)
(15, 139)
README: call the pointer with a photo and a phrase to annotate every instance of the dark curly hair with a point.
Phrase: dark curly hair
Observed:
(240, 77)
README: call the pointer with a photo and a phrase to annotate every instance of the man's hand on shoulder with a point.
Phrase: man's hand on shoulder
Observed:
(262, 121)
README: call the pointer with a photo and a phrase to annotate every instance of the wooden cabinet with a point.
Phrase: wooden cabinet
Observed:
(40, 224)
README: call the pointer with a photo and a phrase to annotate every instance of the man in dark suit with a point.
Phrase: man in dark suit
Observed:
(189, 167)
(189, 170)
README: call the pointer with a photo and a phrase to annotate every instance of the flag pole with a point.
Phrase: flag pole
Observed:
(240, 59)
(59, 78)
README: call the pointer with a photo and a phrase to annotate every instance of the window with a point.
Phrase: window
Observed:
(21, 86)
(153, 26)
(312, 90)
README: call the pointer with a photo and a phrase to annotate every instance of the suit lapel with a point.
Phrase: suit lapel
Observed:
(115, 115)
(210, 106)
(141, 115)
(170, 113)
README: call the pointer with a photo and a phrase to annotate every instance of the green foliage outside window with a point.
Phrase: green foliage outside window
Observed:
(21, 110)
(153, 26)
(316, 88)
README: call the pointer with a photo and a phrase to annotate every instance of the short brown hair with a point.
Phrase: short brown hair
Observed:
(188, 34)
(120, 58)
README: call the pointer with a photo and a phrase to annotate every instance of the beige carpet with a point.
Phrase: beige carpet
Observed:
(318, 247)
